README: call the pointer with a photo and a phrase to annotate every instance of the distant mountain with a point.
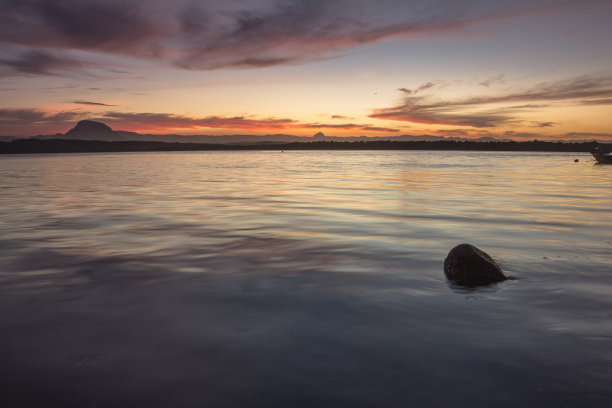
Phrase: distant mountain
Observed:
(491, 139)
(420, 138)
(87, 130)
(92, 130)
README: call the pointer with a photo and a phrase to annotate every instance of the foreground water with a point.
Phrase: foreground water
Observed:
(226, 279)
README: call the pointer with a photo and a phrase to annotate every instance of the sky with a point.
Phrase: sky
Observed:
(510, 69)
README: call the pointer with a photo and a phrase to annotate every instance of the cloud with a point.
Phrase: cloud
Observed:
(341, 117)
(345, 126)
(26, 122)
(379, 129)
(172, 121)
(602, 101)
(498, 79)
(35, 62)
(19, 121)
(419, 110)
(424, 87)
(487, 111)
(101, 25)
(90, 103)
(203, 35)
(34, 117)
(544, 124)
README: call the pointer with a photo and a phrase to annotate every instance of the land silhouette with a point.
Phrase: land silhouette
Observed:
(91, 136)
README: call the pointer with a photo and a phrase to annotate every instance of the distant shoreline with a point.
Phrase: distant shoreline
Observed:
(22, 146)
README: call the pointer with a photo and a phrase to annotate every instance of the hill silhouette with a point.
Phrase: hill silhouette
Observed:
(92, 130)
(95, 130)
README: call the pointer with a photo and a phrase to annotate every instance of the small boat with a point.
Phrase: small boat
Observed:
(601, 156)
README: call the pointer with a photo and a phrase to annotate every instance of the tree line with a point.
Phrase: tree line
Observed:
(90, 146)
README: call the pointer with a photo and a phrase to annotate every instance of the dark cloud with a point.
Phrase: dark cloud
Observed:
(544, 124)
(602, 101)
(485, 112)
(29, 117)
(341, 117)
(90, 103)
(254, 33)
(587, 87)
(419, 110)
(380, 129)
(36, 62)
(27, 122)
(103, 25)
(421, 88)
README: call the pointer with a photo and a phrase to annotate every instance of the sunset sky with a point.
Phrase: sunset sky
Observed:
(518, 69)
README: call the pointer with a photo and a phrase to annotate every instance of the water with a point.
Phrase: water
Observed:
(217, 279)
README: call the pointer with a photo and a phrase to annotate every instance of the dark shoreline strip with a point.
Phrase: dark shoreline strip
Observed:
(21, 146)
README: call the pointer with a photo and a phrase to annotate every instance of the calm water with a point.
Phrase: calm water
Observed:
(268, 279)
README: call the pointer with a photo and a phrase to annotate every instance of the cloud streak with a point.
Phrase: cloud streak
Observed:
(497, 110)
(345, 126)
(14, 122)
(20, 119)
(36, 62)
(35, 117)
(89, 103)
(250, 33)
(171, 121)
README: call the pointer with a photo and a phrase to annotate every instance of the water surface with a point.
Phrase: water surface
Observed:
(216, 279)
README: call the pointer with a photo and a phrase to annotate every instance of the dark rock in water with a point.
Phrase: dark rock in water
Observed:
(467, 265)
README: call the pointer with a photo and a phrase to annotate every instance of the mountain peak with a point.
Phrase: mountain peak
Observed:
(91, 126)
(319, 135)
(92, 130)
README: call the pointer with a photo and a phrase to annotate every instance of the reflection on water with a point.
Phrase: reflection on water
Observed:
(207, 279)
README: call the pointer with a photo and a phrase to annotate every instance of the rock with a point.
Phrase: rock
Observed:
(467, 265)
